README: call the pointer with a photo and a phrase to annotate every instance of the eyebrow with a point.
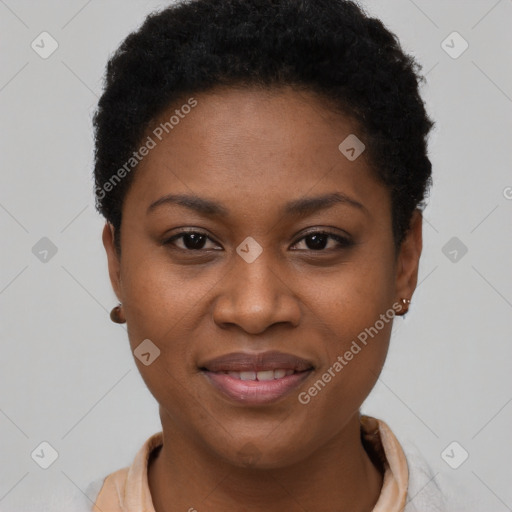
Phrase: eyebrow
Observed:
(199, 204)
(309, 205)
(299, 207)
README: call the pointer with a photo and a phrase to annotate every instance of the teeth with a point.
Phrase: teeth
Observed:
(263, 375)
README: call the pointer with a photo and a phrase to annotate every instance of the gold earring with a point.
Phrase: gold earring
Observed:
(405, 306)
(117, 315)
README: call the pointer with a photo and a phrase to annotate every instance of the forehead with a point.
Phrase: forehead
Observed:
(236, 144)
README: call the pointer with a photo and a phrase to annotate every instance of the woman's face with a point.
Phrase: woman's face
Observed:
(262, 173)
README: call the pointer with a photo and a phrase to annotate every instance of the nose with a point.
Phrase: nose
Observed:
(255, 296)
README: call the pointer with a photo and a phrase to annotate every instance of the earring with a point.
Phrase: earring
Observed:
(405, 306)
(117, 315)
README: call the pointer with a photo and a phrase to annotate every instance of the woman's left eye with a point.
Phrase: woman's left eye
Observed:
(318, 241)
(190, 240)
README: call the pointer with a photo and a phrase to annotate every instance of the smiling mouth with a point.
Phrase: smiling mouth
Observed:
(256, 379)
(263, 375)
(256, 388)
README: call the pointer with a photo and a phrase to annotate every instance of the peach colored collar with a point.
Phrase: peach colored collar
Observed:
(127, 489)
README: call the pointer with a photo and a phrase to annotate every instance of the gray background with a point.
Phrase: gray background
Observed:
(66, 372)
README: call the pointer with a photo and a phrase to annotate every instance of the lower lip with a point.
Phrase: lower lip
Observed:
(253, 392)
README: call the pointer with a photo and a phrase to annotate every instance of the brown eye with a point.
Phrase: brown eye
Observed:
(319, 240)
(190, 240)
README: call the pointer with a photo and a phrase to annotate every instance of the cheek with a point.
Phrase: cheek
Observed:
(354, 310)
(164, 305)
(161, 307)
(356, 358)
(159, 295)
(355, 295)
(353, 362)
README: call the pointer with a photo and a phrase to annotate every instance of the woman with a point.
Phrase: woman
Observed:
(261, 166)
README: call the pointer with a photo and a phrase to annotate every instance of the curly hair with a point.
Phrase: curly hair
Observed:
(329, 47)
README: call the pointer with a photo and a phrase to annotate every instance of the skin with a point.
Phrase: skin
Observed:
(253, 151)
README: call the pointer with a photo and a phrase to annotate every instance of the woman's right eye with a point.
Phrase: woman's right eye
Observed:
(189, 241)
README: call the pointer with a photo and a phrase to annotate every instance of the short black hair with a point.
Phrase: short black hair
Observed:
(329, 47)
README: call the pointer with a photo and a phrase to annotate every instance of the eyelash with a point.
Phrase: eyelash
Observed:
(344, 242)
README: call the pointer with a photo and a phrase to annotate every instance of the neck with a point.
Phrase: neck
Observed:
(338, 476)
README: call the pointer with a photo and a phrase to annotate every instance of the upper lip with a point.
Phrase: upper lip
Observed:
(246, 361)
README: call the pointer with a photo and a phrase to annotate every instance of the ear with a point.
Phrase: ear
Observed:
(409, 257)
(114, 266)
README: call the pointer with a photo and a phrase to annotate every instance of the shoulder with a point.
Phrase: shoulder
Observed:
(84, 501)
(434, 490)
(69, 498)
(93, 489)
(424, 493)
(78, 500)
